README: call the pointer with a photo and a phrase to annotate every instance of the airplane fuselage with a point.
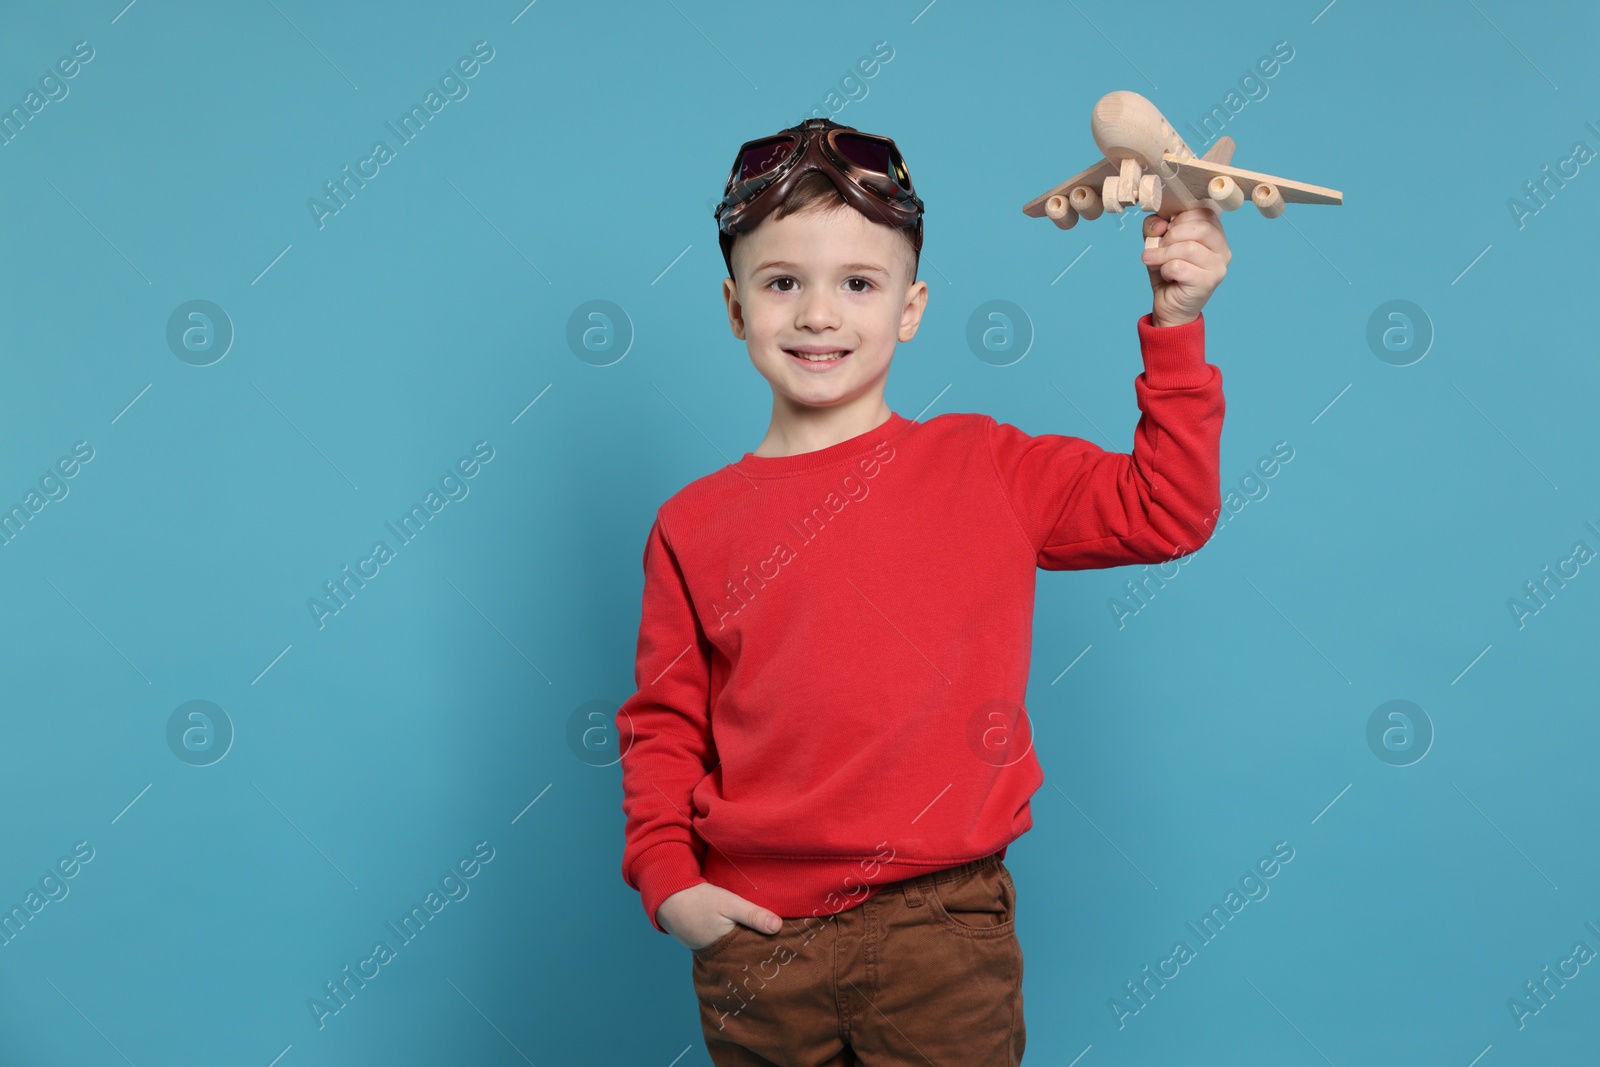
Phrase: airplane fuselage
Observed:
(1126, 126)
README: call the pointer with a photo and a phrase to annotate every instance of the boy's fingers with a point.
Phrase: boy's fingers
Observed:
(1193, 251)
(754, 916)
(1207, 232)
(1201, 214)
(1178, 250)
(1179, 270)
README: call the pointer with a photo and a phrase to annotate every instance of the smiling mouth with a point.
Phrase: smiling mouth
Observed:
(819, 357)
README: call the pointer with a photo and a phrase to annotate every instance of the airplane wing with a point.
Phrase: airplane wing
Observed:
(1095, 176)
(1196, 174)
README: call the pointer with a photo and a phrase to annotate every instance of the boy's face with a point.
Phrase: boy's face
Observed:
(830, 279)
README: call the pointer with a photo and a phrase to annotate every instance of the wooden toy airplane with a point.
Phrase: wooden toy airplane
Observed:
(1146, 163)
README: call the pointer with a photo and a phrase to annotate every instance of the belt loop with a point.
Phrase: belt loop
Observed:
(912, 894)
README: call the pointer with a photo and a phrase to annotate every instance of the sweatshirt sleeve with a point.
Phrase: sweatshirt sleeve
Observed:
(1083, 507)
(665, 728)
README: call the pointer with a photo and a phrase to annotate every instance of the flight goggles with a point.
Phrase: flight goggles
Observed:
(867, 170)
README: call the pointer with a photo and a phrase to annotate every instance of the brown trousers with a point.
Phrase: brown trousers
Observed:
(928, 971)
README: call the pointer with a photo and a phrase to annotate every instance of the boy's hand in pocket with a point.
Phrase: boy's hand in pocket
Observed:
(703, 913)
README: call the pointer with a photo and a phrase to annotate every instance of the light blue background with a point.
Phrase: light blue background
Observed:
(433, 711)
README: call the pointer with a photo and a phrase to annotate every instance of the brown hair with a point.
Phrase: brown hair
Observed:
(815, 191)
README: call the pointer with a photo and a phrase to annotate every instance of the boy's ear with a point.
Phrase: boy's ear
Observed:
(730, 294)
(911, 314)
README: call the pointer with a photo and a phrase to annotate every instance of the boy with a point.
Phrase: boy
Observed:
(827, 755)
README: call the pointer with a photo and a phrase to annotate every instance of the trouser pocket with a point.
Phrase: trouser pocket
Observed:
(712, 949)
(980, 903)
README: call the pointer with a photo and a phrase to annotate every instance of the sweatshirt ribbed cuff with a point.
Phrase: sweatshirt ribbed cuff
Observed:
(1174, 356)
(663, 870)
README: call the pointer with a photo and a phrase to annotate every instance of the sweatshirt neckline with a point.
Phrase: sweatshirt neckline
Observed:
(847, 449)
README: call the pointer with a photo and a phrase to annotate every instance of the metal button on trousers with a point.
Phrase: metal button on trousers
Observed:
(928, 971)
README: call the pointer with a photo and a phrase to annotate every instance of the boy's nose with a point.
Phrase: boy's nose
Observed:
(816, 309)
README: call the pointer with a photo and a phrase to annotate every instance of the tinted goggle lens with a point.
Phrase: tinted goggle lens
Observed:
(762, 156)
(868, 153)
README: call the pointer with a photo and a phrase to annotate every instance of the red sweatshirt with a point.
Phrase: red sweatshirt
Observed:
(833, 646)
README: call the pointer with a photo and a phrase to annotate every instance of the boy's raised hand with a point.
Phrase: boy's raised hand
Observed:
(1187, 266)
(701, 914)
